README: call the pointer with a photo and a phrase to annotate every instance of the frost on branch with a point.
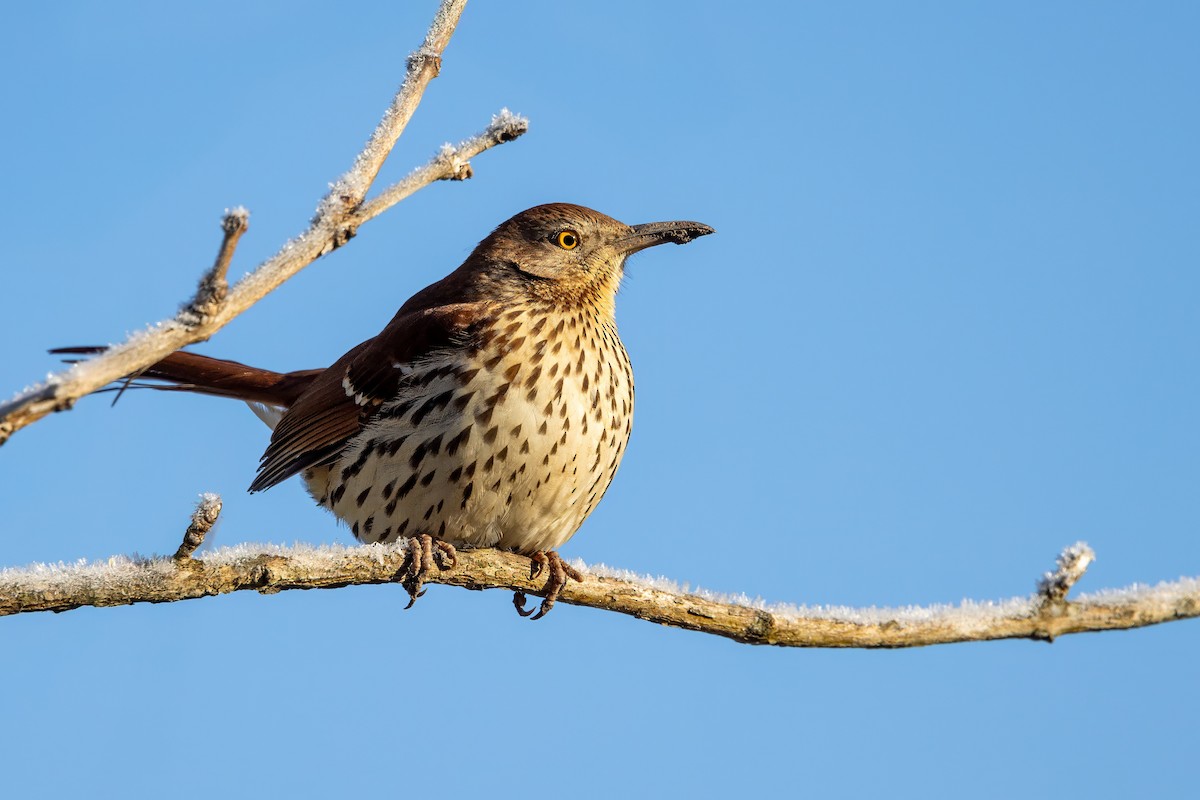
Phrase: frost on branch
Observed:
(1071, 563)
(203, 518)
(269, 569)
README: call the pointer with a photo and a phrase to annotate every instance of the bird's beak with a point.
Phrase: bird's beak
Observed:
(651, 233)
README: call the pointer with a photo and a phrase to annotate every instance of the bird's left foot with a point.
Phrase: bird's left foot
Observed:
(420, 556)
(560, 571)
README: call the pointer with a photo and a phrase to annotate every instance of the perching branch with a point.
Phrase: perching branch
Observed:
(337, 219)
(1043, 616)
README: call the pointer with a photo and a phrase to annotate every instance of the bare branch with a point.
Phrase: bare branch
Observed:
(1071, 565)
(423, 66)
(336, 222)
(203, 518)
(121, 581)
(451, 163)
(213, 286)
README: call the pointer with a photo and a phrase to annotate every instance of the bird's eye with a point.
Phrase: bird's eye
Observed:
(567, 240)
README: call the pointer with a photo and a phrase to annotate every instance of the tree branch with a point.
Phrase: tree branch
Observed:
(214, 287)
(268, 569)
(337, 219)
(203, 518)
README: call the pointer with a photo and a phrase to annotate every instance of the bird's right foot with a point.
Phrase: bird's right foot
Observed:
(560, 571)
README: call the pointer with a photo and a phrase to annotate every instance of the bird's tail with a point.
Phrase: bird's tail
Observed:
(190, 372)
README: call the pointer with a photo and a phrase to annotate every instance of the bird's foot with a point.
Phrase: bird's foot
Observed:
(559, 572)
(422, 553)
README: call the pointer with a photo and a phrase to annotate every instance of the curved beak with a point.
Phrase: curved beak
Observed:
(651, 233)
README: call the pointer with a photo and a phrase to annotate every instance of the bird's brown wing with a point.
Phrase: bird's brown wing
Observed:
(342, 399)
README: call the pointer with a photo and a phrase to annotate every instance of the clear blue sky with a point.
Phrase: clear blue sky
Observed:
(948, 326)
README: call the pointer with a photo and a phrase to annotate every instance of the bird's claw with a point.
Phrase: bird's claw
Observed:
(519, 602)
(421, 554)
(560, 572)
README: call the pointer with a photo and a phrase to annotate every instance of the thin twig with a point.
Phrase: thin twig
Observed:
(451, 163)
(203, 518)
(423, 66)
(213, 286)
(1071, 565)
(120, 581)
(337, 219)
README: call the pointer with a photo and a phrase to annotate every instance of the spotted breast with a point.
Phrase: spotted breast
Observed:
(508, 443)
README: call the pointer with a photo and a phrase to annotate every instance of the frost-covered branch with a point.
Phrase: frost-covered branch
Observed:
(452, 163)
(203, 518)
(214, 287)
(337, 219)
(268, 569)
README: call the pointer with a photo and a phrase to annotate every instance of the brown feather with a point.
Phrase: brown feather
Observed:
(315, 429)
(374, 375)
(217, 376)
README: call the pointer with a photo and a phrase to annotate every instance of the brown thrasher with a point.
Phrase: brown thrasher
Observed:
(492, 411)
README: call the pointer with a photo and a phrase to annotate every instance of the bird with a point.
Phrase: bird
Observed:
(493, 410)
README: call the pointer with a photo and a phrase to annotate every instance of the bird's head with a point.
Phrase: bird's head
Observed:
(568, 255)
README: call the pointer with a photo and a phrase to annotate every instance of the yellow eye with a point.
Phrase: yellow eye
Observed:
(567, 240)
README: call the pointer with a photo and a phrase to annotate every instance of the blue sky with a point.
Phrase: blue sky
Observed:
(946, 328)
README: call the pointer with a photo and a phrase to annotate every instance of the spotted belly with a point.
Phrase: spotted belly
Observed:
(511, 452)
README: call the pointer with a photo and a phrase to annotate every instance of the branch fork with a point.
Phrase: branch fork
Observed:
(214, 287)
(338, 217)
